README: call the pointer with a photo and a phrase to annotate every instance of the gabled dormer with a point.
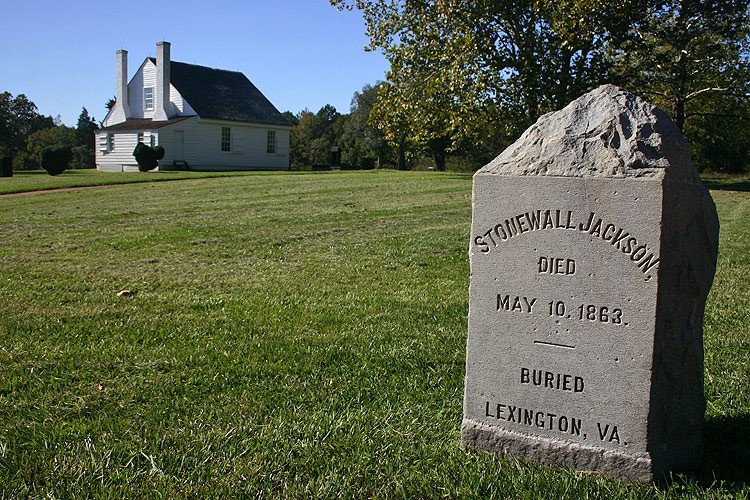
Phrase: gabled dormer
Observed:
(143, 97)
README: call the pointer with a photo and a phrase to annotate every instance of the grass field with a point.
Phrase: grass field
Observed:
(40, 180)
(288, 335)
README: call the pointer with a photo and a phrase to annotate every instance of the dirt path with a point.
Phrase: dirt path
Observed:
(55, 190)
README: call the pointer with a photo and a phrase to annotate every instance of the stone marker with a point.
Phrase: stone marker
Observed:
(593, 248)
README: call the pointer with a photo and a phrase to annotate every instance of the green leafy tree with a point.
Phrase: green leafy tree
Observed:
(18, 119)
(291, 117)
(690, 57)
(85, 129)
(363, 143)
(456, 65)
(717, 130)
(413, 108)
(58, 138)
(470, 76)
(313, 136)
(84, 153)
(300, 139)
(687, 51)
(391, 115)
(327, 128)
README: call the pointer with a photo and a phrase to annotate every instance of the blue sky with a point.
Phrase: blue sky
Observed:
(299, 53)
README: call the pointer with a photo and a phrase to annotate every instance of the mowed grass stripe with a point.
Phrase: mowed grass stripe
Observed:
(289, 335)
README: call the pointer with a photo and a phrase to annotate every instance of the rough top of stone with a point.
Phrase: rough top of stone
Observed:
(608, 132)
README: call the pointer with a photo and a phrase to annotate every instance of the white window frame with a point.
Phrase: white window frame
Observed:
(148, 98)
(226, 140)
(110, 143)
(271, 144)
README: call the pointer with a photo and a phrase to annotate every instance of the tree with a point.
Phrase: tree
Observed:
(684, 52)
(110, 103)
(690, 57)
(313, 136)
(85, 129)
(52, 138)
(54, 144)
(363, 142)
(300, 138)
(456, 65)
(291, 117)
(473, 75)
(18, 119)
(717, 129)
(84, 155)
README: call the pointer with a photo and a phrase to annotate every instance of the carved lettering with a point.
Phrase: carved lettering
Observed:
(483, 247)
(531, 417)
(597, 229)
(551, 380)
(557, 265)
(595, 226)
(517, 304)
(533, 219)
(522, 223)
(608, 433)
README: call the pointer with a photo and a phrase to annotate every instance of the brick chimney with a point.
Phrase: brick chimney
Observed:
(121, 109)
(163, 71)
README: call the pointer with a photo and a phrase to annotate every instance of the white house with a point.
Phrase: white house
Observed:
(204, 118)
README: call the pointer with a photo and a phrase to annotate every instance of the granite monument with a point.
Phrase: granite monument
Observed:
(593, 249)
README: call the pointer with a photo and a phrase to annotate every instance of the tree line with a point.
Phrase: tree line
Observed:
(360, 141)
(26, 136)
(466, 78)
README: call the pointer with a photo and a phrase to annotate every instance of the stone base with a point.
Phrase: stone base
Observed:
(639, 468)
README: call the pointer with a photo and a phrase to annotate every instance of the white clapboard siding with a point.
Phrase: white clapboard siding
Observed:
(249, 143)
(180, 106)
(121, 156)
(144, 77)
(202, 147)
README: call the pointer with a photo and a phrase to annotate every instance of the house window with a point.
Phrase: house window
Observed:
(110, 143)
(148, 98)
(140, 137)
(226, 139)
(271, 142)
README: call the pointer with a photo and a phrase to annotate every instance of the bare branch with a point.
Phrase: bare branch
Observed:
(697, 93)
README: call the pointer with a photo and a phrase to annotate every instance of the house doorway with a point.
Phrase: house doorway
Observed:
(179, 145)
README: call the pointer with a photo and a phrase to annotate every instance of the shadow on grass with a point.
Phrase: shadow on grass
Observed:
(728, 184)
(726, 455)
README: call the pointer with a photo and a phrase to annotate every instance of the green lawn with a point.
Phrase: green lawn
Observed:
(289, 335)
(40, 180)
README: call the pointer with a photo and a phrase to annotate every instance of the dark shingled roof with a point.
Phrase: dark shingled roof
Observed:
(217, 94)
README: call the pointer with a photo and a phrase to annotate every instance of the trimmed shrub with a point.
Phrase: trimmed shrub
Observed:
(147, 157)
(6, 166)
(55, 160)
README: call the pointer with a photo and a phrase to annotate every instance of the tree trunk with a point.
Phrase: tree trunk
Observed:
(678, 112)
(438, 148)
(401, 159)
